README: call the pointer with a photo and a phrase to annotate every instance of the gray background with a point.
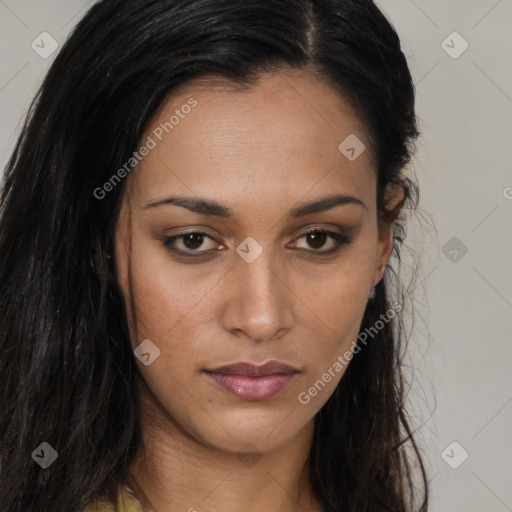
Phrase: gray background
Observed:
(461, 350)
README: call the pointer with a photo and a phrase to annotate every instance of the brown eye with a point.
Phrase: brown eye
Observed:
(317, 238)
(187, 244)
(193, 240)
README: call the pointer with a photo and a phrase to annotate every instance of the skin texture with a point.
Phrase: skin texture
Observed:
(259, 152)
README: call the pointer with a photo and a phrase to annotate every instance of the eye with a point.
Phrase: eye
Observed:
(188, 244)
(318, 238)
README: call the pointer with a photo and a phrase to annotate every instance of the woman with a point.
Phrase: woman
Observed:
(198, 307)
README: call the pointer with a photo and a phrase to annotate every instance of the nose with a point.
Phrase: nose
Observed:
(258, 300)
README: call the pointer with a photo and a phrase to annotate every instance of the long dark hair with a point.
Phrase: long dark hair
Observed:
(68, 373)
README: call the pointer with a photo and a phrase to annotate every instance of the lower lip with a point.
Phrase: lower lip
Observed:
(252, 388)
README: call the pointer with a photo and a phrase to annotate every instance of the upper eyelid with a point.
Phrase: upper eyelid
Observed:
(329, 233)
(212, 237)
(182, 235)
(330, 229)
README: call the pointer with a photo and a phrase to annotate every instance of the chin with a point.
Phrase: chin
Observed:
(241, 431)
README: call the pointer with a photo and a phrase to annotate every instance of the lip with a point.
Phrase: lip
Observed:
(253, 370)
(249, 381)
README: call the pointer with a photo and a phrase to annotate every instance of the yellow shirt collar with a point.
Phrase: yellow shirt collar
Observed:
(127, 499)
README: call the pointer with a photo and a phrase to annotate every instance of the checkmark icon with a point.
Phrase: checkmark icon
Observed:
(44, 455)
(249, 249)
(454, 249)
(454, 45)
(147, 352)
(44, 45)
(454, 455)
(352, 147)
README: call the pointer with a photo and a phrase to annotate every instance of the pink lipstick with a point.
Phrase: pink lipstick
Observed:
(249, 381)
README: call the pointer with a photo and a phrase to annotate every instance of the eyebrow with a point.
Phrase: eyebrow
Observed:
(210, 207)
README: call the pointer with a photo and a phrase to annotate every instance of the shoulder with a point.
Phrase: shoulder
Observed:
(127, 499)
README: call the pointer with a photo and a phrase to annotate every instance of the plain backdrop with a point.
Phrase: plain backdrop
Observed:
(459, 52)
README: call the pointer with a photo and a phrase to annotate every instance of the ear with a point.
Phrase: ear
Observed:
(393, 198)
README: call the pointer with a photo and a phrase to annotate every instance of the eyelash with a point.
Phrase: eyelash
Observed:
(341, 240)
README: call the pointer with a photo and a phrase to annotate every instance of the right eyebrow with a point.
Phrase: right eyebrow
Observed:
(194, 204)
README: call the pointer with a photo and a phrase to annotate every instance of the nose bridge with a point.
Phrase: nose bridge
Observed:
(261, 305)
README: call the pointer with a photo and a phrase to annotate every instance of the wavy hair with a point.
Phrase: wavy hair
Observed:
(68, 374)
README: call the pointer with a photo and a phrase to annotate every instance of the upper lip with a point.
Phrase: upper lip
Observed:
(254, 370)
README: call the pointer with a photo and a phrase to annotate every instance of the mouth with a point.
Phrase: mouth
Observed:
(251, 382)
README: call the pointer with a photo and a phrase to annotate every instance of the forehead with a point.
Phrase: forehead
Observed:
(281, 135)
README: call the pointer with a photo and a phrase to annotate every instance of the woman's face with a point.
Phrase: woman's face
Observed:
(252, 171)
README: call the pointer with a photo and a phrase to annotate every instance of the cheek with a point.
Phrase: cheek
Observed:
(167, 299)
(173, 308)
(165, 315)
(338, 304)
(338, 300)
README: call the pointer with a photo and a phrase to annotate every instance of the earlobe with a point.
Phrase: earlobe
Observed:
(378, 274)
(384, 252)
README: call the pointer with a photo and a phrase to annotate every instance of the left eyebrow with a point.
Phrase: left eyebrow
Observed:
(323, 205)
(209, 207)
